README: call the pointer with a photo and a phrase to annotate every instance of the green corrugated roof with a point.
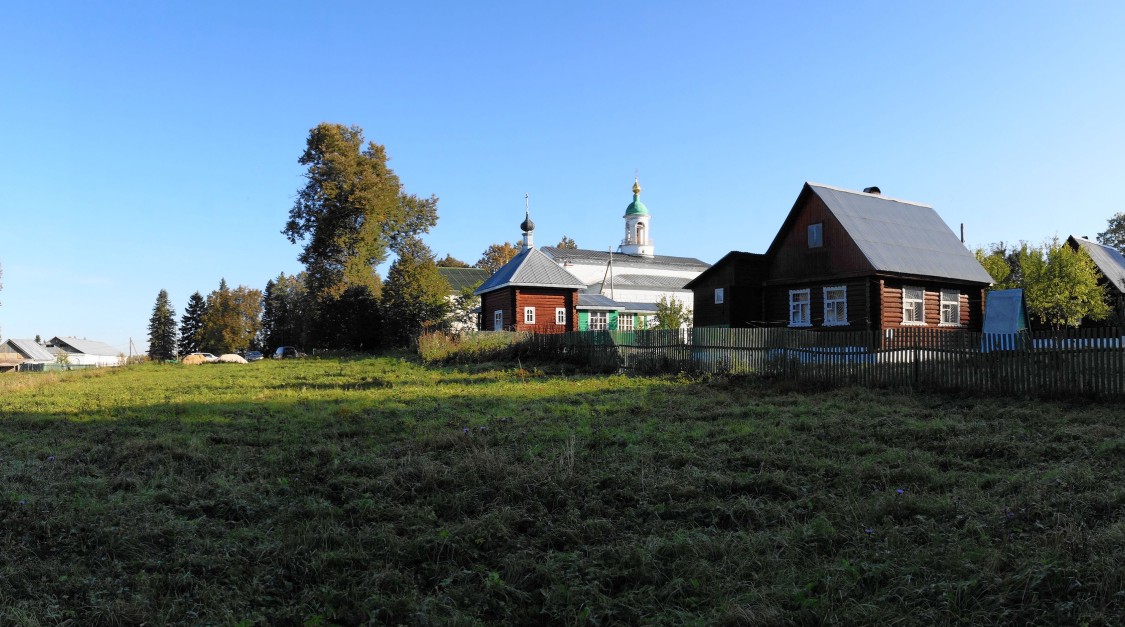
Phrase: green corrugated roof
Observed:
(463, 278)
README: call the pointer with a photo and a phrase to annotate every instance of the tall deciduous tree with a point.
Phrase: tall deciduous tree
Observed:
(496, 255)
(191, 325)
(1002, 264)
(232, 319)
(351, 211)
(1061, 285)
(162, 329)
(414, 294)
(1114, 235)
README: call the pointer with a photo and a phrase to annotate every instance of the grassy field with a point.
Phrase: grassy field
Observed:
(347, 491)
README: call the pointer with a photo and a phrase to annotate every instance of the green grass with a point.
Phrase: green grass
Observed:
(346, 491)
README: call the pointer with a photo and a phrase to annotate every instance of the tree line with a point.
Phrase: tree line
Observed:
(350, 215)
(1062, 285)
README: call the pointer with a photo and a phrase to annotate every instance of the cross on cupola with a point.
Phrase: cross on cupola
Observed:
(527, 226)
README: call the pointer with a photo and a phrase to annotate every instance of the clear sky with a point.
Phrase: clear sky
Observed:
(154, 145)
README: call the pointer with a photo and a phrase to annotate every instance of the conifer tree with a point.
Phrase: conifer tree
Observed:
(414, 294)
(162, 329)
(191, 324)
(285, 311)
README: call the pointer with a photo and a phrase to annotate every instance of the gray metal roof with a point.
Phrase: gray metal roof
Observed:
(649, 281)
(86, 347)
(901, 237)
(461, 278)
(601, 257)
(530, 267)
(31, 350)
(1108, 259)
(597, 301)
(639, 307)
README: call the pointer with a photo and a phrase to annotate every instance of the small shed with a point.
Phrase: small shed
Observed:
(1005, 320)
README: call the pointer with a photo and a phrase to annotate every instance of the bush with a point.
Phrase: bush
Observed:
(467, 348)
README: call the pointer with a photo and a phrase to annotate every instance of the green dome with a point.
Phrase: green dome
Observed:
(636, 208)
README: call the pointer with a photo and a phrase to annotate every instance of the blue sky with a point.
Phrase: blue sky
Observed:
(154, 145)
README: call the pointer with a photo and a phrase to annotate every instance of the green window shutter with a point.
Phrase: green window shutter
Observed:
(612, 323)
(583, 321)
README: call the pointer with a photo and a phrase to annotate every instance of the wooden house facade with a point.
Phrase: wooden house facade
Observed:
(729, 293)
(850, 261)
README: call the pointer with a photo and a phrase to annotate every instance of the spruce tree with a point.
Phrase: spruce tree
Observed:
(191, 324)
(285, 313)
(162, 329)
(414, 294)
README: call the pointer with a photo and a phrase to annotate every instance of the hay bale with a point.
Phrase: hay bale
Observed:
(231, 358)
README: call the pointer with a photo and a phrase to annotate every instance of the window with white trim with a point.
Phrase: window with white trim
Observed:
(599, 321)
(816, 235)
(624, 322)
(799, 308)
(529, 315)
(498, 320)
(835, 306)
(913, 305)
(718, 296)
(560, 315)
(950, 308)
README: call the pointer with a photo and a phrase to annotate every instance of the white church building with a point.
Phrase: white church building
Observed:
(623, 287)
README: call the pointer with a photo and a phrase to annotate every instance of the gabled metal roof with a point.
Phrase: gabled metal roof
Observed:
(901, 237)
(1108, 259)
(601, 257)
(86, 347)
(31, 350)
(530, 268)
(462, 278)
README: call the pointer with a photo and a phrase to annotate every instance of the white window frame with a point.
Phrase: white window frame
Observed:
(907, 306)
(560, 315)
(816, 235)
(719, 296)
(529, 315)
(800, 310)
(625, 322)
(950, 305)
(836, 306)
(599, 321)
(498, 320)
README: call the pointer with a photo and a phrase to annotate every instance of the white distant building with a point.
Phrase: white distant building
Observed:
(82, 352)
(623, 287)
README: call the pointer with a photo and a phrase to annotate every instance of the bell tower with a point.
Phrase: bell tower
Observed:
(637, 239)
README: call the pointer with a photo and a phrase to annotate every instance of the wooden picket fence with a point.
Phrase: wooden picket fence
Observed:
(1080, 362)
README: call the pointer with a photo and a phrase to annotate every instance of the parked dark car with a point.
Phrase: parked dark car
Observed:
(252, 355)
(287, 352)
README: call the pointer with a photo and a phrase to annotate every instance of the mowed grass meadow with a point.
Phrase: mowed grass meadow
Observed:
(359, 490)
